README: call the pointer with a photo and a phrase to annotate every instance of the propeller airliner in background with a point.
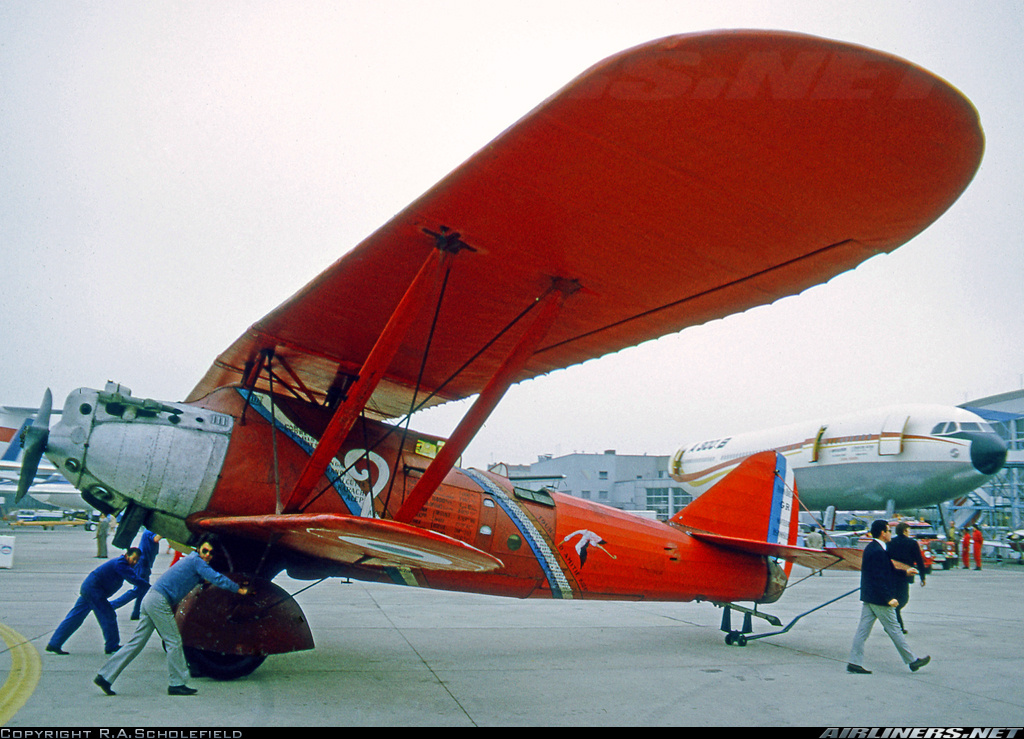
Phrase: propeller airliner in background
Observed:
(671, 184)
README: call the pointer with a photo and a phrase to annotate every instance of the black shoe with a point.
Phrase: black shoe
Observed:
(181, 690)
(55, 650)
(857, 669)
(114, 650)
(104, 685)
(917, 664)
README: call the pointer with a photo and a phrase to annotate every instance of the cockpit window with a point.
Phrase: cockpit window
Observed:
(951, 427)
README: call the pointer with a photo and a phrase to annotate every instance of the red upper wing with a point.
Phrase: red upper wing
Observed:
(678, 182)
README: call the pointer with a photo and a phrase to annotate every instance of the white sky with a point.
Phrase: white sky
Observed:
(170, 172)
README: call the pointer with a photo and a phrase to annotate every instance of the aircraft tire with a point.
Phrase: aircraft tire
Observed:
(736, 638)
(203, 663)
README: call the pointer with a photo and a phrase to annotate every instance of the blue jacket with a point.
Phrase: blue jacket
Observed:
(108, 578)
(878, 576)
(179, 580)
(149, 549)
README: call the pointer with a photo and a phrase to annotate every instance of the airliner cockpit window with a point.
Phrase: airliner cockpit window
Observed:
(951, 427)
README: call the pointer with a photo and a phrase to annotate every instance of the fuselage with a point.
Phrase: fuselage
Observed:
(238, 453)
(913, 456)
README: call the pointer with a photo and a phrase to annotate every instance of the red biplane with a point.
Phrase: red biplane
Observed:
(674, 183)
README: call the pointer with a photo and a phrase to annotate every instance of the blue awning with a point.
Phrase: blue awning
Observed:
(990, 415)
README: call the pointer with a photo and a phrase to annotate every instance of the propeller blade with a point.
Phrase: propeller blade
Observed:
(34, 443)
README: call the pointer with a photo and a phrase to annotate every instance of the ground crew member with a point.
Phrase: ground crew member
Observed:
(977, 538)
(101, 583)
(150, 547)
(158, 606)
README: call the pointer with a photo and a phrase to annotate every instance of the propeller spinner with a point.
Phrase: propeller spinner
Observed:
(33, 441)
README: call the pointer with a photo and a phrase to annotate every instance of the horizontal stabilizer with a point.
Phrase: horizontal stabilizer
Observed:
(367, 542)
(815, 559)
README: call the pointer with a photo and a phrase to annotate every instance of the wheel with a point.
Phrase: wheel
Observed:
(730, 637)
(203, 663)
(741, 640)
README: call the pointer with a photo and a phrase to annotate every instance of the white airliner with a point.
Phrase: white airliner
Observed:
(895, 458)
(48, 486)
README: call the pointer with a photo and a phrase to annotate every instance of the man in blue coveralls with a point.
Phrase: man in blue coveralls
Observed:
(150, 547)
(101, 583)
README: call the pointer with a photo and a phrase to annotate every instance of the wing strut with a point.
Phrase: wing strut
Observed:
(549, 305)
(374, 367)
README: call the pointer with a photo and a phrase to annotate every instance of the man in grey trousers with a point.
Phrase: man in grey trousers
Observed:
(157, 612)
(878, 588)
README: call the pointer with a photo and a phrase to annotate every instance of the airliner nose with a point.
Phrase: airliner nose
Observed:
(988, 453)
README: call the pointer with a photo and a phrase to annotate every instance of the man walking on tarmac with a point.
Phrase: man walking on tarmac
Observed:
(878, 590)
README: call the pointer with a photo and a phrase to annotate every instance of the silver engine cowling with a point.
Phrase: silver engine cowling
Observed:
(117, 450)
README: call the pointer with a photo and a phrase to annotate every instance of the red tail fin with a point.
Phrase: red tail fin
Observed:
(757, 501)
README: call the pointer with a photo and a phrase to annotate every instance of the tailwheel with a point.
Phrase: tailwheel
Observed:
(205, 663)
(736, 638)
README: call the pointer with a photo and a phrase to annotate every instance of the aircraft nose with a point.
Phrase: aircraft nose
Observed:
(988, 453)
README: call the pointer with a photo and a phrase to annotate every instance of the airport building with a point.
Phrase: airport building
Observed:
(629, 482)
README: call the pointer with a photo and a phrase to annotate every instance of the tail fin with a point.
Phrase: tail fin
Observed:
(756, 502)
(755, 509)
(12, 436)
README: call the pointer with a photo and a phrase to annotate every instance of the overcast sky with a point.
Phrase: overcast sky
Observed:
(170, 172)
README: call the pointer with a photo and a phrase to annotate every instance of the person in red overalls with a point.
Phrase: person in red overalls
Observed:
(977, 538)
(965, 548)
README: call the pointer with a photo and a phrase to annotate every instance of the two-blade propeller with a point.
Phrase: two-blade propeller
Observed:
(33, 441)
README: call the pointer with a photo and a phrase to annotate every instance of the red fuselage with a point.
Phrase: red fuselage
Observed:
(551, 545)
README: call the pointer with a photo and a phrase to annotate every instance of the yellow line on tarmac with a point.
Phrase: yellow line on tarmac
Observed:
(26, 668)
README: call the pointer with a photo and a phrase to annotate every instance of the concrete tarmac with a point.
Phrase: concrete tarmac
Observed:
(397, 656)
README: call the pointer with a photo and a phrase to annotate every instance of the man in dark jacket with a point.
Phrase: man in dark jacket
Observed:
(878, 588)
(904, 549)
(101, 583)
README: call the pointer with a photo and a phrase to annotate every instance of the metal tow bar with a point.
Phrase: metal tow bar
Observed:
(740, 638)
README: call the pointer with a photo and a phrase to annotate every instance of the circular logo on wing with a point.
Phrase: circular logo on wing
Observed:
(387, 550)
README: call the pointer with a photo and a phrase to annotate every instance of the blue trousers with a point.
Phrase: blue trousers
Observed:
(135, 594)
(96, 602)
